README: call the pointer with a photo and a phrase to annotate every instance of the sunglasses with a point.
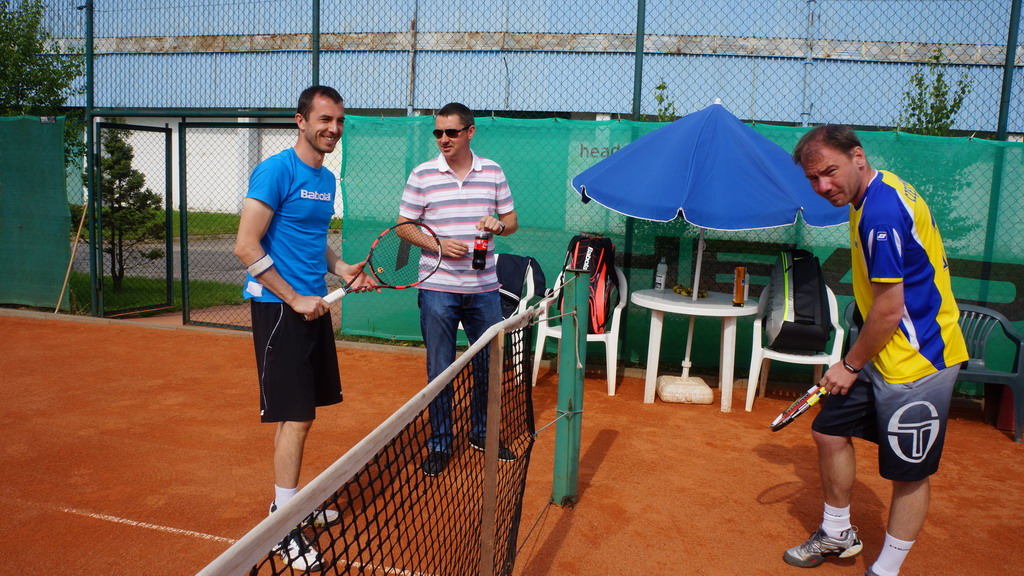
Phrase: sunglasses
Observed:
(449, 132)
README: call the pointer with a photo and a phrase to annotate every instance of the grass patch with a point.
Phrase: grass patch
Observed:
(219, 224)
(377, 340)
(205, 223)
(136, 292)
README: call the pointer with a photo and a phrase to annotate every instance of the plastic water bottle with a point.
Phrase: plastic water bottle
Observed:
(480, 250)
(660, 272)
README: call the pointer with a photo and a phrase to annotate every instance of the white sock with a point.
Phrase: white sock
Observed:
(283, 495)
(835, 520)
(894, 551)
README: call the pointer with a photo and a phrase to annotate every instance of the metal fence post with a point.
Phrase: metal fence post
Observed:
(1011, 58)
(805, 115)
(638, 65)
(572, 358)
(315, 41)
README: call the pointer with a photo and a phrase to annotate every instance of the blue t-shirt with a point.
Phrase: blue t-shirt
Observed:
(302, 198)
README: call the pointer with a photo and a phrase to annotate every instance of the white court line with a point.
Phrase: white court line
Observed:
(179, 531)
(138, 524)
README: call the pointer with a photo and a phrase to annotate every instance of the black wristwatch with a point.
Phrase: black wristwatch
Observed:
(851, 369)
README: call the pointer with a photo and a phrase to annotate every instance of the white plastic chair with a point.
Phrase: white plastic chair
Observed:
(610, 337)
(761, 357)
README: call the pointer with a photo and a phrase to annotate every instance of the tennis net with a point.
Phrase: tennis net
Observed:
(393, 518)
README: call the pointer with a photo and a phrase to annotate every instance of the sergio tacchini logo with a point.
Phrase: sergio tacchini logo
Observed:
(920, 435)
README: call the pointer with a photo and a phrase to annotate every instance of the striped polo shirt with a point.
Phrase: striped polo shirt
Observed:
(435, 196)
(895, 239)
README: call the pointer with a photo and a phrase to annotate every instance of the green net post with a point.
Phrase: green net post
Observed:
(572, 358)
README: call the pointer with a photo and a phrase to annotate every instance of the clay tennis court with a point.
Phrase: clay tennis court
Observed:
(136, 448)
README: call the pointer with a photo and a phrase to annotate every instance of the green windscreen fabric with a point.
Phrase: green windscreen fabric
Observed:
(974, 187)
(34, 215)
(539, 158)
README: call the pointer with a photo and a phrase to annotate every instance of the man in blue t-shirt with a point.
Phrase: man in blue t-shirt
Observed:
(282, 241)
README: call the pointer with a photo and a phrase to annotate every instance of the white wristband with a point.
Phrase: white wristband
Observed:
(260, 266)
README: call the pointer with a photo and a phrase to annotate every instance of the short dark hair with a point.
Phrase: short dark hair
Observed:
(309, 94)
(460, 110)
(835, 136)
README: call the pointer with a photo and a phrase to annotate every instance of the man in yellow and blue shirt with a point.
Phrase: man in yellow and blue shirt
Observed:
(894, 386)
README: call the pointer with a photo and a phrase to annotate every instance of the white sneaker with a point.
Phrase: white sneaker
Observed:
(324, 517)
(812, 552)
(318, 518)
(299, 552)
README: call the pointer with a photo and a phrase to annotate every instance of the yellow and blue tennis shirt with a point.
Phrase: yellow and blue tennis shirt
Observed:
(894, 239)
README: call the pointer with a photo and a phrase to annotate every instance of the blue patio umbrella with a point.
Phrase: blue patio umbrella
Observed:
(712, 170)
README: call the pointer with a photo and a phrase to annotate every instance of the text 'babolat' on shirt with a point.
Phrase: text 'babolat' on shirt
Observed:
(302, 198)
(895, 239)
(435, 196)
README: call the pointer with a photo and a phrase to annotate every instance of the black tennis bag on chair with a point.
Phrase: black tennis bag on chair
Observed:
(797, 317)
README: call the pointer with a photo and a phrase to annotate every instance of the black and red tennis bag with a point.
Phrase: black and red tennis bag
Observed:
(595, 253)
(797, 317)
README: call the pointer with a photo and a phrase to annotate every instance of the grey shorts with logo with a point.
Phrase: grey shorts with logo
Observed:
(907, 421)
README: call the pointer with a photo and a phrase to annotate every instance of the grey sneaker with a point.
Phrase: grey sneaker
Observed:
(318, 518)
(813, 552)
(299, 552)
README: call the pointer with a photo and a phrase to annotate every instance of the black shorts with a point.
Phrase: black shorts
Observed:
(297, 363)
(907, 421)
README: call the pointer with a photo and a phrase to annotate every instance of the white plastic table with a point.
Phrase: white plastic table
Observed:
(716, 304)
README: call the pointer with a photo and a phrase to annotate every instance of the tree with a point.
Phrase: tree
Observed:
(931, 104)
(666, 111)
(666, 107)
(132, 214)
(37, 76)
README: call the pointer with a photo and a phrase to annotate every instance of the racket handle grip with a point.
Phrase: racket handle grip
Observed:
(335, 296)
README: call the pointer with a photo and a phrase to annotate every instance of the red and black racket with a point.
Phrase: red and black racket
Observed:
(403, 256)
(810, 398)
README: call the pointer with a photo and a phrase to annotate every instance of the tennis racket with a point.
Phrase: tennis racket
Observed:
(810, 398)
(395, 262)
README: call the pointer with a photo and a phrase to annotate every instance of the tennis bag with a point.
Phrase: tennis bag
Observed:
(596, 254)
(797, 317)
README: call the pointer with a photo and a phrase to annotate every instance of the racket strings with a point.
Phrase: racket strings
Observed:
(395, 262)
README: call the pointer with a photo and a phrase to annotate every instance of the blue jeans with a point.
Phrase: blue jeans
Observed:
(440, 314)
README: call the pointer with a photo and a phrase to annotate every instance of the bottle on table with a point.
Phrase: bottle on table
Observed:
(660, 273)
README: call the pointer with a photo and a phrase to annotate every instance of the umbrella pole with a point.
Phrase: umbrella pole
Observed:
(689, 345)
(696, 274)
(696, 286)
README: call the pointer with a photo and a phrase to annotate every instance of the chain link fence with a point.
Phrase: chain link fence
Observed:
(133, 247)
(771, 62)
(218, 158)
(780, 61)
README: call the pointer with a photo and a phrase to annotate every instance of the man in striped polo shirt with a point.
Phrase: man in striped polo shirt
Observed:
(458, 194)
(894, 385)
